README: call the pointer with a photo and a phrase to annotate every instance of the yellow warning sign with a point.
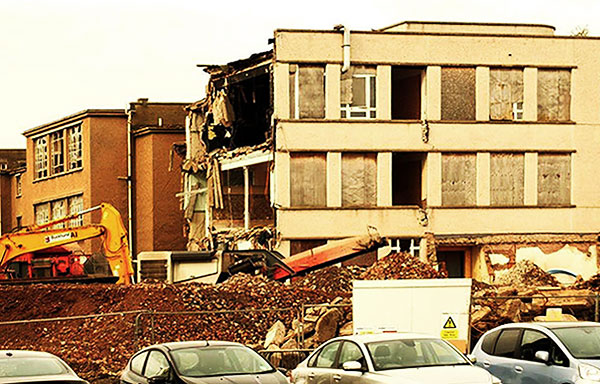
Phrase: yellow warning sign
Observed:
(449, 330)
(450, 323)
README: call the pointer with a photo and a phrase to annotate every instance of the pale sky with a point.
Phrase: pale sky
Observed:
(58, 57)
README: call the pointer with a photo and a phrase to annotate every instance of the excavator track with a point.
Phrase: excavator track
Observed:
(58, 280)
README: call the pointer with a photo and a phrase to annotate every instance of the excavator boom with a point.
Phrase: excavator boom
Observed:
(41, 237)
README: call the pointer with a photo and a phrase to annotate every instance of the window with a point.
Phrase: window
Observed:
(58, 145)
(308, 179)
(507, 343)
(358, 93)
(458, 93)
(532, 342)
(326, 357)
(59, 210)
(359, 179)
(137, 363)
(459, 179)
(507, 179)
(155, 364)
(407, 177)
(75, 206)
(406, 92)
(75, 147)
(42, 213)
(19, 184)
(554, 94)
(487, 345)
(307, 91)
(351, 352)
(554, 179)
(41, 157)
(19, 221)
(411, 246)
(506, 94)
(3, 166)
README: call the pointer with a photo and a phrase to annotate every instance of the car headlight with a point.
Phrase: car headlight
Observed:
(589, 372)
(496, 380)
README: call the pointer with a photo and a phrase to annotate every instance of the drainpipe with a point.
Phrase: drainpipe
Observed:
(345, 47)
(130, 111)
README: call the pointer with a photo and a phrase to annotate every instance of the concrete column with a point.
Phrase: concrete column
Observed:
(332, 91)
(482, 93)
(384, 92)
(483, 179)
(246, 198)
(284, 248)
(334, 179)
(434, 179)
(531, 175)
(281, 95)
(434, 93)
(530, 94)
(384, 179)
(282, 179)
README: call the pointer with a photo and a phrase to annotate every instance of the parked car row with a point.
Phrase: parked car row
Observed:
(535, 353)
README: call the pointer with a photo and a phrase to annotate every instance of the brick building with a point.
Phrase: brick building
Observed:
(471, 145)
(12, 166)
(104, 155)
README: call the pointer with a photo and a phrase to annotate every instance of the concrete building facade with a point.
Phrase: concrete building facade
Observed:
(471, 145)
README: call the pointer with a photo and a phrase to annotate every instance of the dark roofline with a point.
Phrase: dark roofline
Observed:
(74, 117)
(468, 23)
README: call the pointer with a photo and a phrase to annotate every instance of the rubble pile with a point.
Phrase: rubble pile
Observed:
(525, 274)
(334, 279)
(593, 283)
(400, 266)
(241, 309)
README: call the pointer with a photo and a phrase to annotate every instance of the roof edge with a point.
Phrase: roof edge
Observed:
(75, 116)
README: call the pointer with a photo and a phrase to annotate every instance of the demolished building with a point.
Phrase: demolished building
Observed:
(471, 145)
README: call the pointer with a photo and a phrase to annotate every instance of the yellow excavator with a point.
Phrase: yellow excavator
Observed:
(48, 248)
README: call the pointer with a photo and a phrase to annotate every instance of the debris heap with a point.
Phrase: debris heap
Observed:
(525, 274)
(400, 266)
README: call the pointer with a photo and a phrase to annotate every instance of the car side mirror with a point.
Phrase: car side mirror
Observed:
(352, 366)
(543, 356)
(163, 377)
(472, 358)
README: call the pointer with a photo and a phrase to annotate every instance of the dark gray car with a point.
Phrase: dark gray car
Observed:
(206, 362)
(35, 367)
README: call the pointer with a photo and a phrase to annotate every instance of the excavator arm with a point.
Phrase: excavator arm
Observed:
(39, 237)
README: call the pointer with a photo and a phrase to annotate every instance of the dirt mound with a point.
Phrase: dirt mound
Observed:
(525, 274)
(400, 266)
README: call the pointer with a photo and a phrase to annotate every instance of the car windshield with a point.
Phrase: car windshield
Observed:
(31, 366)
(582, 342)
(411, 353)
(219, 360)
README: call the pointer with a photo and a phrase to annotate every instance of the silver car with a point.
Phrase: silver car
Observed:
(399, 358)
(19, 366)
(542, 353)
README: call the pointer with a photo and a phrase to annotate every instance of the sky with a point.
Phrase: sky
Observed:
(58, 57)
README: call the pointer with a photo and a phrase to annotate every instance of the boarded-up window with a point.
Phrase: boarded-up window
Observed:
(459, 180)
(297, 246)
(308, 179)
(554, 94)
(458, 93)
(307, 91)
(359, 179)
(506, 94)
(554, 179)
(507, 179)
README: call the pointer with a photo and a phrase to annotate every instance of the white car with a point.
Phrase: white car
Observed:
(399, 358)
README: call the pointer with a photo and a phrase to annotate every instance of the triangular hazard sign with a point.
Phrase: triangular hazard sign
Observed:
(449, 323)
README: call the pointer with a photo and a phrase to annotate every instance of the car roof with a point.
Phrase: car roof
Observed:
(192, 344)
(17, 353)
(552, 324)
(371, 338)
